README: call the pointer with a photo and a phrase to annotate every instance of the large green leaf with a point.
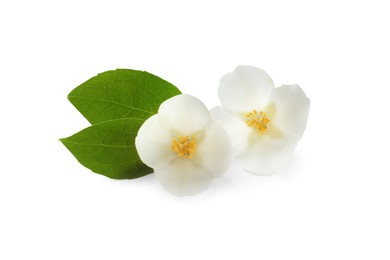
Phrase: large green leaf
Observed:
(121, 93)
(108, 148)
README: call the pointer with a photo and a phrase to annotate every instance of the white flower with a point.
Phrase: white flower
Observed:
(186, 149)
(263, 122)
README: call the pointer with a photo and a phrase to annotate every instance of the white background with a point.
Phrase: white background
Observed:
(331, 203)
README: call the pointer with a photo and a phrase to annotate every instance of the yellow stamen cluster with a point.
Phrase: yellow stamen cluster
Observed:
(184, 146)
(258, 120)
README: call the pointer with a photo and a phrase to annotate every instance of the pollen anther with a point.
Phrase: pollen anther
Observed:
(259, 121)
(184, 146)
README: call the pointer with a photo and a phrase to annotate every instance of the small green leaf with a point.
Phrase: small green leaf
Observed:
(121, 93)
(108, 148)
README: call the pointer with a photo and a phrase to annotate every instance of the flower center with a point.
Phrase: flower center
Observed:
(184, 146)
(258, 120)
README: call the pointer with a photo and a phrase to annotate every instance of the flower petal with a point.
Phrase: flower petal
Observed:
(268, 155)
(153, 144)
(215, 150)
(245, 89)
(292, 109)
(236, 128)
(182, 177)
(183, 113)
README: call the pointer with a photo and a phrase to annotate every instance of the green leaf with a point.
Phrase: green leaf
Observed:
(108, 148)
(121, 93)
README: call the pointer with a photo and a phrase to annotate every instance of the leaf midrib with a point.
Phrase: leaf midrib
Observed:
(99, 144)
(114, 102)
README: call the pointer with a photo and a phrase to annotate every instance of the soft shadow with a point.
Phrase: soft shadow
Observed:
(292, 171)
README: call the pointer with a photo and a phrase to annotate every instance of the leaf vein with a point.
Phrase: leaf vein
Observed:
(114, 102)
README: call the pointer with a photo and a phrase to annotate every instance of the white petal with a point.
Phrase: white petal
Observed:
(236, 128)
(182, 177)
(245, 89)
(153, 144)
(183, 113)
(215, 150)
(268, 155)
(291, 110)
